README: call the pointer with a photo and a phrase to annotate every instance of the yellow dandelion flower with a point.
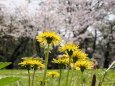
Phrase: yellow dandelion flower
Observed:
(79, 54)
(26, 61)
(31, 62)
(62, 60)
(53, 74)
(50, 38)
(69, 48)
(83, 64)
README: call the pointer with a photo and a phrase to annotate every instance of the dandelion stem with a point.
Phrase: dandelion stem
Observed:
(60, 77)
(28, 77)
(33, 77)
(46, 64)
(83, 79)
(71, 78)
(67, 79)
(52, 83)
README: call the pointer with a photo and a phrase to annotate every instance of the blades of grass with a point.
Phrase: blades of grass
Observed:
(4, 64)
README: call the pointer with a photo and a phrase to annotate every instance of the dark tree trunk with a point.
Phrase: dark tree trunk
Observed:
(38, 50)
(106, 62)
(94, 43)
(109, 47)
(18, 51)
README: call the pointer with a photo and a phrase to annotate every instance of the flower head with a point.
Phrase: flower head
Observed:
(50, 38)
(53, 74)
(61, 60)
(79, 54)
(83, 64)
(69, 48)
(31, 62)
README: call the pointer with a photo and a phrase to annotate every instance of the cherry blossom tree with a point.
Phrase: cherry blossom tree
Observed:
(85, 22)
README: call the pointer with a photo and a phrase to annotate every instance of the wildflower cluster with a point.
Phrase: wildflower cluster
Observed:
(73, 58)
(78, 58)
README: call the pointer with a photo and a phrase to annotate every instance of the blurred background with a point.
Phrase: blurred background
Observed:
(88, 23)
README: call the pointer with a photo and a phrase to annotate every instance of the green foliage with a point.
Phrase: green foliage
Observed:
(8, 80)
(4, 64)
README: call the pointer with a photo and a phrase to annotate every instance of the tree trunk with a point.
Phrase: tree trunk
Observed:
(18, 51)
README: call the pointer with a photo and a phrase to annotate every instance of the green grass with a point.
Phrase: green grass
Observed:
(75, 77)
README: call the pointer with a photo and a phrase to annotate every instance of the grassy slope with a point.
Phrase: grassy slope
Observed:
(75, 77)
